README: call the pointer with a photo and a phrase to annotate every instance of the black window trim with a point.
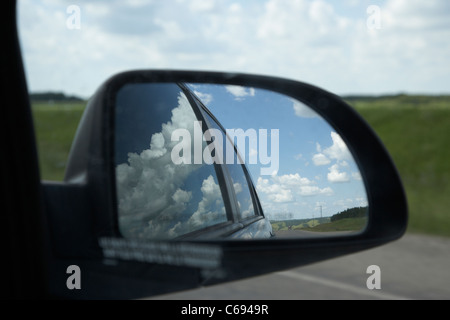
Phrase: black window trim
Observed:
(234, 222)
(221, 173)
(255, 200)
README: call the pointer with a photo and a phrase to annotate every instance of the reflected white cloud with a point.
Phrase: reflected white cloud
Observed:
(205, 214)
(206, 98)
(302, 110)
(151, 189)
(239, 92)
(338, 149)
(336, 176)
(287, 187)
(320, 159)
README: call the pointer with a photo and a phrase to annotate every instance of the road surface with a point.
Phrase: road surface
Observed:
(308, 234)
(414, 267)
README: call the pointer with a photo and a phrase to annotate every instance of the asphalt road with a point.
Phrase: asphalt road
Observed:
(414, 267)
(296, 234)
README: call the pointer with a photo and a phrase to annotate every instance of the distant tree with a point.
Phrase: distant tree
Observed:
(52, 96)
(357, 212)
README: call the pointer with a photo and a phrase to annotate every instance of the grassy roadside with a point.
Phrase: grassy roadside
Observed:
(416, 132)
(55, 126)
(348, 224)
(297, 224)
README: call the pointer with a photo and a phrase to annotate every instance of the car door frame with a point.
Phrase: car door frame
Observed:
(22, 239)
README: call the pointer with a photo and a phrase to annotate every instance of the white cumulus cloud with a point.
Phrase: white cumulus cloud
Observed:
(206, 98)
(356, 175)
(240, 92)
(285, 188)
(302, 110)
(151, 189)
(320, 159)
(336, 176)
(338, 150)
(309, 40)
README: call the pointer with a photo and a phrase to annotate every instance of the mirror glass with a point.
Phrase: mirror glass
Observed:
(218, 161)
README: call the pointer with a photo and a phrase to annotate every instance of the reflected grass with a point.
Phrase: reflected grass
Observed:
(348, 224)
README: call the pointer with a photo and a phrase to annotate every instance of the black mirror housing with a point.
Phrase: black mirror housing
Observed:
(83, 220)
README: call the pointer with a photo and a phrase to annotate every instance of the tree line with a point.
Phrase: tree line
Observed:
(53, 96)
(357, 212)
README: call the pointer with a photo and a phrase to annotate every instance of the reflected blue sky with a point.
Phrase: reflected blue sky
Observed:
(316, 170)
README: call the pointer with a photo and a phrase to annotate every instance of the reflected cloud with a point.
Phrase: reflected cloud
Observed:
(153, 194)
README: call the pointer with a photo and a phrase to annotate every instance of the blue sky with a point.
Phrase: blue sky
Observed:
(331, 44)
(341, 46)
(315, 167)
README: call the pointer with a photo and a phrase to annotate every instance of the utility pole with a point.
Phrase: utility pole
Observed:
(320, 211)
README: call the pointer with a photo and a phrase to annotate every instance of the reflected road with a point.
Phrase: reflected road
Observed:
(284, 234)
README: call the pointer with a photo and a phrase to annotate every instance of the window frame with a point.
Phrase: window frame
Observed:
(258, 212)
(210, 229)
(233, 222)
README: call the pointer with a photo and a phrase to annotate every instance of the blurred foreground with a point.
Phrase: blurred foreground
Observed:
(414, 267)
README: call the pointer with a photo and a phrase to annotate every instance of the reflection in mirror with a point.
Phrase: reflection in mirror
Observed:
(219, 161)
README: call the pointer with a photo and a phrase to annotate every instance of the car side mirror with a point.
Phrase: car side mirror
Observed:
(178, 179)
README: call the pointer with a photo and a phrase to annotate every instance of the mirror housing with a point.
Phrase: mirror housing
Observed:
(83, 221)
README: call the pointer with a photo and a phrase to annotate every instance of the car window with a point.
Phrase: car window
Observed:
(237, 173)
(242, 191)
(158, 198)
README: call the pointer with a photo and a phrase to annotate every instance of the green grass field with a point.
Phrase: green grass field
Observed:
(321, 224)
(349, 224)
(55, 126)
(416, 132)
(297, 223)
(414, 129)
